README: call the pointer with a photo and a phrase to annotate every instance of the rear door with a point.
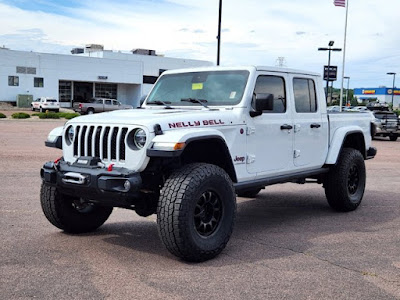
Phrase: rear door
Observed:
(310, 123)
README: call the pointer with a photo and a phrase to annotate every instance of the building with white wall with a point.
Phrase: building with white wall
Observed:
(79, 77)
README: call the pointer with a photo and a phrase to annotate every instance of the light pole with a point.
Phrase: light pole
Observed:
(394, 78)
(219, 31)
(347, 94)
(329, 63)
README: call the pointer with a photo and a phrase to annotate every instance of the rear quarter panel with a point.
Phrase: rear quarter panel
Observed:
(340, 124)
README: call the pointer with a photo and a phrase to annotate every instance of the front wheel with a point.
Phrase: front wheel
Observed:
(393, 137)
(71, 214)
(345, 182)
(196, 212)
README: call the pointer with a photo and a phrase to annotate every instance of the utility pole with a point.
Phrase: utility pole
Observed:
(219, 32)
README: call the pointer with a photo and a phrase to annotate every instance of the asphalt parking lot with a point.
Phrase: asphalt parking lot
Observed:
(287, 243)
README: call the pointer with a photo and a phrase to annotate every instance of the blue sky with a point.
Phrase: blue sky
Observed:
(254, 31)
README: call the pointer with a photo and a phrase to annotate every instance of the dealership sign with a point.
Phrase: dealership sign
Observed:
(330, 72)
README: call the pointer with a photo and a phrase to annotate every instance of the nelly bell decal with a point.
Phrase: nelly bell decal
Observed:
(196, 123)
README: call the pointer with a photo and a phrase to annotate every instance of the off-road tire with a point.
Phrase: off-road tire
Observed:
(393, 138)
(249, 193)
(59, 210)
(183, 212)
(345, 182)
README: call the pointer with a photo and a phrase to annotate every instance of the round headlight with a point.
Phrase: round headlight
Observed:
(139, 138)
(70, 134)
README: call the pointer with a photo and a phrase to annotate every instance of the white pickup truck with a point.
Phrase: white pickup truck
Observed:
(201, 137)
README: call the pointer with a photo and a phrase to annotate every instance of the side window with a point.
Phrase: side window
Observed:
(13, 80)
(107, 102)
(304, 95)
(115, 102)
(99, 101)
(273, 85)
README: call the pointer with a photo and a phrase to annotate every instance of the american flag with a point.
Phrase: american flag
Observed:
(341, 3)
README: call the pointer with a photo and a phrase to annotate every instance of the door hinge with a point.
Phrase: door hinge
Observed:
(250, 158)
(250, 130)
(296, 153)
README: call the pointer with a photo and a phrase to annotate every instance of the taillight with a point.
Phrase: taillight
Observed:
(80, 105)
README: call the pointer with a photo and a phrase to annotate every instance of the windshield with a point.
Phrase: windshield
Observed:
(213, 88)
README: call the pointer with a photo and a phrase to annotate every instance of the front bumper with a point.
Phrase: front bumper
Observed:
(115, 187)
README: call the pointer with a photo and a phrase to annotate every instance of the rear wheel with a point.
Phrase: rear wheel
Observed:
(393, 137)
(90, 111)
(41, 109)
(196, 212)
(71, 214)
(345, 182)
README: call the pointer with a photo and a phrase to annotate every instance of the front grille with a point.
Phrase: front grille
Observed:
(106, 142)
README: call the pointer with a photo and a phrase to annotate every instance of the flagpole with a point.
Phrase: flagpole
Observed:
(344, 55)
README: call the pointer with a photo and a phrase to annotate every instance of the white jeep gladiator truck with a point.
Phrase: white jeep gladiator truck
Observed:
(202, 137)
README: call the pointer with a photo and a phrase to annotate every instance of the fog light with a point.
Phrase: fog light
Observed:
(127, 185)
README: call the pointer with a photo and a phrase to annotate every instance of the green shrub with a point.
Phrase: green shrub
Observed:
(2, 116)
(20, 115)
(35, 115)
(49, 115)
(69, 116)
(62, 114)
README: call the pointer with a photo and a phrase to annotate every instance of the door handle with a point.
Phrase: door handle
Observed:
(286, 127)
(315, 125)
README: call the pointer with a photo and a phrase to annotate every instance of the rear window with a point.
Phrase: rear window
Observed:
(51, 100)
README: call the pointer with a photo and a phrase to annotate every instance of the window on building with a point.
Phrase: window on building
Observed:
(13, 80)
(106, 90)
(273, 85)
(150, 79)
(64, 91)
(304, 95)
(38, 82)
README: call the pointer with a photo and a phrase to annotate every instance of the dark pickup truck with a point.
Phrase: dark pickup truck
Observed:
(386, 122)
(97, 105)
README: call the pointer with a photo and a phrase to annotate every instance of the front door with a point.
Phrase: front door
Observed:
(269, 136)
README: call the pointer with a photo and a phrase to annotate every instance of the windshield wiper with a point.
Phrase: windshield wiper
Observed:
(160, 102)
(195, 100)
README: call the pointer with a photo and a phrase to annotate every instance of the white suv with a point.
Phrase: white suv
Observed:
(45, 103)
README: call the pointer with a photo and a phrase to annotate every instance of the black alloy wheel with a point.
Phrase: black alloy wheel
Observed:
(208, 213)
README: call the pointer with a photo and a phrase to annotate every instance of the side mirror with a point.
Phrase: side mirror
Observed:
(261, 102)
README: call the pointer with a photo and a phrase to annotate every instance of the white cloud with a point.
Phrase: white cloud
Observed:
(254, 31)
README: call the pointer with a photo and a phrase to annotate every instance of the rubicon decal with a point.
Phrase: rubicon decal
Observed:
(239, 159)
(196, 123)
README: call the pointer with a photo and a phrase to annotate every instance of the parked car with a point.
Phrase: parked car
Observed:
(385, 123)
(97, 105)
(360, 108)
(201, 136)
(45, 103)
